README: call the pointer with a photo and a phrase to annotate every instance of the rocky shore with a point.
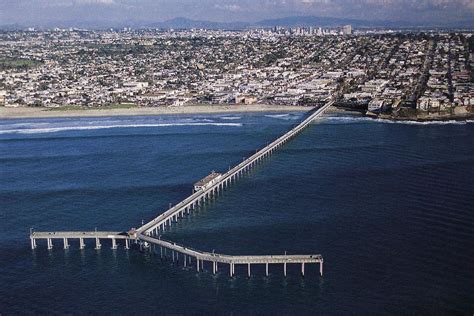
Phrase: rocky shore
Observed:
(458, 114)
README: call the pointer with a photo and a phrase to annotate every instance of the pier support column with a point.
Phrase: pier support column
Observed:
(248, 270)
(172, 254)
(321, 268)
(185, 260)
(231, 270)
(33, 243)
(81, 243)
(127, 245)
(284, 269)
(213, 267)
(50, 244)
(197, 264)
(97, 244)
(266, 269)
(114, 244)
(66, 244)
(302, 269)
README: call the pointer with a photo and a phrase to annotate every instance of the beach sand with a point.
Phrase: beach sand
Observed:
(26, 112)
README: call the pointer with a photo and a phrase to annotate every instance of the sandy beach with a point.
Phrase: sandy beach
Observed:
(24, 112)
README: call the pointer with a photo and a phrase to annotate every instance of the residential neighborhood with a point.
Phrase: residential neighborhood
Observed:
(395, 73)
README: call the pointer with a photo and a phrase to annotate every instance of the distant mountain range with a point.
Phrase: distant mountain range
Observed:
(294, 21)
(183, 23)
(301, 21)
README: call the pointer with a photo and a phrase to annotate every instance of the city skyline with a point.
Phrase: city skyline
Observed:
(141, 12)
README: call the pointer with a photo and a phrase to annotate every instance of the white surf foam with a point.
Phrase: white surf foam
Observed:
(277, 115)
(285, 117)
(450, 122)
(346, 119)
(82, 128)
(230, 118)
(354, 119)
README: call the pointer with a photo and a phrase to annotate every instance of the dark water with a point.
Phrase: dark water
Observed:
(389, 206)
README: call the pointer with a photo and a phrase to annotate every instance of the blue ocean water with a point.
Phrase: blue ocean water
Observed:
(389, 206)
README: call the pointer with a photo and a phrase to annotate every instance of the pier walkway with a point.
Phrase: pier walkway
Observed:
(149, 234)
(199, 197)
(81, 236)
(200, 257)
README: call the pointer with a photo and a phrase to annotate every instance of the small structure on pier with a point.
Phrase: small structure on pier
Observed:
(149, 234)
(208, 181)
(132, 233)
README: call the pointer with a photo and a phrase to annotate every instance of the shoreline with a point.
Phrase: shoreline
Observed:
(423, 119)
(7, 113)
(408, 117)
(25, 112)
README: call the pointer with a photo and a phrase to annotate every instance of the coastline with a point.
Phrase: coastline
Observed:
(408, 116)
(24, 112)
(423, 118)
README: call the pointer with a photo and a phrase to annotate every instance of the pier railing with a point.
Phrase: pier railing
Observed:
(149, 234)
(199, 197)
(199, 257)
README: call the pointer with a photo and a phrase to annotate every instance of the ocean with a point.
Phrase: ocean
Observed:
(388, 205)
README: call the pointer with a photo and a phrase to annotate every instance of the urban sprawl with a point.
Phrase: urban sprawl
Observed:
(386, 73)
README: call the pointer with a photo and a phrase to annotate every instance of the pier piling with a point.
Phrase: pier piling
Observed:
(149, 233)
(97, 244)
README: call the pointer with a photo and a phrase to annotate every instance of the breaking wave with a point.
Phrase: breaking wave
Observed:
(450, 122)
(286, 117)
(354, 119)
(277, 115)
(40, 130)
(230, 118)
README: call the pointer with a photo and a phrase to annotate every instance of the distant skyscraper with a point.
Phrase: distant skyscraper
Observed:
(347, 29)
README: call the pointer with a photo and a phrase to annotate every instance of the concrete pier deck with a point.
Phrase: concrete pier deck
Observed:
(149, 234)
(199, 197)
(81, 236)
(200, 257)
(77, 235)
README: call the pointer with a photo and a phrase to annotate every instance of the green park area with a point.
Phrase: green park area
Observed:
(17, 63)
(102, 107)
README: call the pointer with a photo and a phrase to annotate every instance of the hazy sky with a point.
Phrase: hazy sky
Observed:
(50, 11)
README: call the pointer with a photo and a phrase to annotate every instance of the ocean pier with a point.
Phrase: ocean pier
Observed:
(149, 234)
(199, 257)
(97, 236)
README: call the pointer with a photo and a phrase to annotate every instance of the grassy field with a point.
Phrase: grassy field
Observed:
(103, 107)
(17, 63)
